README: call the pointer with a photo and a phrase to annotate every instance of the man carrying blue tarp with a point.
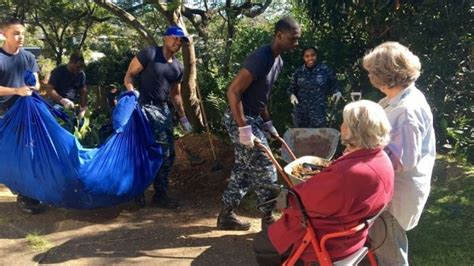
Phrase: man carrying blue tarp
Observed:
(14, 63)
(160, 77)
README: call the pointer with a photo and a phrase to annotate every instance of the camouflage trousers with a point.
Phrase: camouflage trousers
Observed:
(252, 168)
(310, 115)
(161, 122)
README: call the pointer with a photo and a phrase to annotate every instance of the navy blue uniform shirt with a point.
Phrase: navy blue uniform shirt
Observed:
(66, 83)
(12, 70)
(158, 75)
(265, 69)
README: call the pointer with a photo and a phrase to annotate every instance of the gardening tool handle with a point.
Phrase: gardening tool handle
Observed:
(333, 111)
(206, 123)
(269, 154)
(287, 148)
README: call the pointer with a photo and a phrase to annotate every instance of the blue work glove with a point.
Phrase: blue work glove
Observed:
(269, 130)
(185, 124)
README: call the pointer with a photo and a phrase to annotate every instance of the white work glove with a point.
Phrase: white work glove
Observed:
(137, 93)
(246, 137)
(294, 99)
(185, 124)
(82, 112)
(336, 96)
(68, 104)
(270, 130)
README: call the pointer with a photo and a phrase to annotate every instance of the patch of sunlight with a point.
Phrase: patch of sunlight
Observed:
(434, 211)
(459, 199)
(465, 201)
(37, 242)
(448, 199)
(178, 252)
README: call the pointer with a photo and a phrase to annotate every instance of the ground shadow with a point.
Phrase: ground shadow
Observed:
(149, 241)
(16, 224)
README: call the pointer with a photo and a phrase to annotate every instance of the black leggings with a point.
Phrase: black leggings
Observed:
(265, 252)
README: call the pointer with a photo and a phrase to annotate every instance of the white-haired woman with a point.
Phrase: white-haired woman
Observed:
(393, 69)
(350, 190)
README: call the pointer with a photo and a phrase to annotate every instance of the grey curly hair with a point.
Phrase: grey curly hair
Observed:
(392, 64)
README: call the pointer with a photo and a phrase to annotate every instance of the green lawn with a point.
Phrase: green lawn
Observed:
(445, 234)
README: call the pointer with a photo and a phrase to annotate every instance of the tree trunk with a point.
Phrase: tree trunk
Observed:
(189, 85)
(228, 44)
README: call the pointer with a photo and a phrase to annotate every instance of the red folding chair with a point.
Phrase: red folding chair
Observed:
(319, 247)
(311, 238)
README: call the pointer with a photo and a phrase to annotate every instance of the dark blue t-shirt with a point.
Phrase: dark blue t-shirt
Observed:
(158, 75)
(12, 70)
(66, 83)
(265, 70)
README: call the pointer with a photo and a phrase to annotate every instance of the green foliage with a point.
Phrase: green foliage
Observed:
(94, 128)
(110, 69)
(444, 235)
(46, 66)
(345, 30)
(213, 85)
(447, 76)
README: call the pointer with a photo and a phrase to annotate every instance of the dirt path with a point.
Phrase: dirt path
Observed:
(121, 235)
(128, 235)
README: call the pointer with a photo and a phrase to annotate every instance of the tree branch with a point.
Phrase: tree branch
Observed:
(127, 18)
(252, 10)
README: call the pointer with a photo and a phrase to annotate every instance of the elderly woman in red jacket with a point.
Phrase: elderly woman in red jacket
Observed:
(352, 189)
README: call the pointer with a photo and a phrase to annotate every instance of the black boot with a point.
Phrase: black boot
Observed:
(161, 200)
(140, 200)
(227, 220)
(28, 205)
(267, 219)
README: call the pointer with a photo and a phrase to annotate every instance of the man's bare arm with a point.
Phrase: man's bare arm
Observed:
(134, 68)
(176, 99)
(238, 86)
(22, 91)
(53, 94)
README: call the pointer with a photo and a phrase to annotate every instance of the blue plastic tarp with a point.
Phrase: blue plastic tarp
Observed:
(42, 160)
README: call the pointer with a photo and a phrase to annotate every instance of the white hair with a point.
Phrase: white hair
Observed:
(367, 123)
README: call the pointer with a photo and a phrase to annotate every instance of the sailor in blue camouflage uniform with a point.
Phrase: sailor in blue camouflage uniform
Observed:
(309, 91)
(248, 119)
(160, 77)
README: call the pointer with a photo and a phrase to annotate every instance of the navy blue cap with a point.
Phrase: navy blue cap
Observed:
(176, 31)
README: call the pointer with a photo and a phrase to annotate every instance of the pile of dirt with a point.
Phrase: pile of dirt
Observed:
(195, 173)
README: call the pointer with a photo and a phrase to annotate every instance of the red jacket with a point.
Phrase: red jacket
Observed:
(352, 189)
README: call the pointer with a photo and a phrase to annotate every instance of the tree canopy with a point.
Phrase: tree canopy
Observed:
(225, 32)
